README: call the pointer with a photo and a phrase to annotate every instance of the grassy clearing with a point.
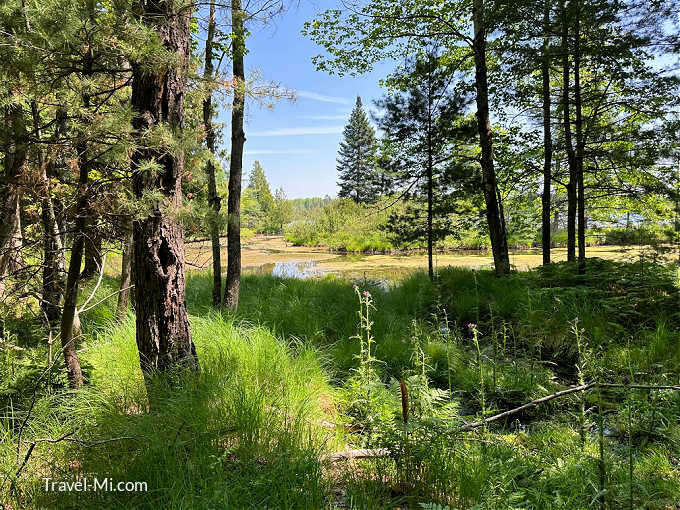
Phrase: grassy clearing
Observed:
(245, 432)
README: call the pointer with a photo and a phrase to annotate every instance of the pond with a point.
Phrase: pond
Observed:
(273, 255)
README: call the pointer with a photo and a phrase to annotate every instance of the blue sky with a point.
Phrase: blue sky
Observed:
(297, 142)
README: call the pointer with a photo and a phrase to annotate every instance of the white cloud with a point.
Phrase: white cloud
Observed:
(322, 97)
(323, 130)
(259, 152)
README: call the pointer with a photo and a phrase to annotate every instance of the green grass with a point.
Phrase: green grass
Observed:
(236, 436)
(244, 432)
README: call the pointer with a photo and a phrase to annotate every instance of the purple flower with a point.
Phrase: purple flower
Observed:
(356, 287)
(367, 294)
(472, 325)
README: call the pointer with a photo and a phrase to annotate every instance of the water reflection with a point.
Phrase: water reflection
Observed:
(298, 270)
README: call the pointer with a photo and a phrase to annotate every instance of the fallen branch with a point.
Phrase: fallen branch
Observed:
(67, 438)
(533, 403)
(568, 391)
(82, 310)
(363, 453)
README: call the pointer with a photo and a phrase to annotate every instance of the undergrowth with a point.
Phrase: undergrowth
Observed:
(418, 361)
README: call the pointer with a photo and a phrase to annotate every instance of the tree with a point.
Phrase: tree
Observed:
(389, 28)
(282, 212)
(257, 182)
(238, 138)
(424, 130)
(356, 159)
(163, 335)
(546, 61)
(214, 199)
(14, 149)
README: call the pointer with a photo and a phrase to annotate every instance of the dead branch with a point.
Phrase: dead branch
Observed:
(363, 453)
(568, 391)
(82, 310)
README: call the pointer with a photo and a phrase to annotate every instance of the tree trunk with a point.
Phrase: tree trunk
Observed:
(53, 256)
(69, 314)
(233, 286)
(547, 137)
(163, 335)
(213, 198)
(430, 266)
(125, 278)
(580, 145)
(93, 250)
(15, 152)
(494, 215)
(430, 100)
(571, 157)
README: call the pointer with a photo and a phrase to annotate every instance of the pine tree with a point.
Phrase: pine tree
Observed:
(257, 181)
(356, 159)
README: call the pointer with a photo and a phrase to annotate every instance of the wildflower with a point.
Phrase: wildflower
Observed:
(356, 287)
(472, 325)
(367, 294)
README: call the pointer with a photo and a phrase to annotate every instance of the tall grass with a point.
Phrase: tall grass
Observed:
(238, 435)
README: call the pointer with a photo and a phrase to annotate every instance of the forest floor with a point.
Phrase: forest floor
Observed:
(292, 379)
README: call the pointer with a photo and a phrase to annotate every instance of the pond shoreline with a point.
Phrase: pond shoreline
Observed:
(261, 254)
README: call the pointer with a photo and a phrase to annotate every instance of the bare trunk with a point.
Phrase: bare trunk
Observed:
(233, 286)
(494, 215)
(53, 253)
(125, 278)
(571, 157)
(69, 314)
(213, 198)
(163, 335)
(547, 138)
(15, 152)
(430, 266)
(580, 147)
(11, 239)
(93, 250)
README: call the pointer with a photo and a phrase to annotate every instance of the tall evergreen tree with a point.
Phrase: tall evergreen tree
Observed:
(356, 159)
(257, 181)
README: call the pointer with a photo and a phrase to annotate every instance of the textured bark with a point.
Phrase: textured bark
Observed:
(580, 146)
(494, 210)
(571, 156)
(163, 336)
(15, 152)
(547, 137)
(233, 285)
(53, 253)
(93, 251)
(125, 277)
(213, 198)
